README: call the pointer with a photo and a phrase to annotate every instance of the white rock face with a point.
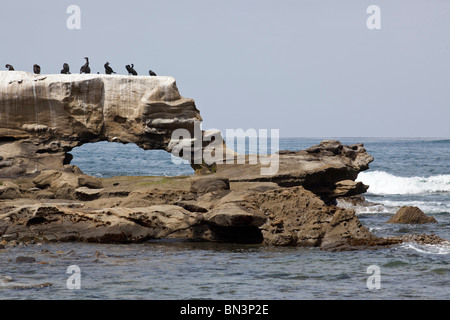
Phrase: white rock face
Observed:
(58, 112)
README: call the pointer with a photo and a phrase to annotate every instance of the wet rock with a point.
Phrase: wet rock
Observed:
(296, 217)
(5, 279)
(411, 215)
(429, 239)
(7, 282)
(357, 200)
(98, 254)
(25, 259)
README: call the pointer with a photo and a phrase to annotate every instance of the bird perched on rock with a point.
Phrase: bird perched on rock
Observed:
(151, 73)
(85, 68)
(65, 69)
(36, 69)
(108, 69)
(131, 70)
(10, 67)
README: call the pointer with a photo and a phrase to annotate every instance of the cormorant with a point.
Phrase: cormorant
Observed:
(150, 72)
(65, 69)
(85, 68)
(131, 70)
(10, 67)
(108, 69)
(37, 69)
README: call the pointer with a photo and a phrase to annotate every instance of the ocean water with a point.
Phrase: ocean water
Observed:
(405, 172)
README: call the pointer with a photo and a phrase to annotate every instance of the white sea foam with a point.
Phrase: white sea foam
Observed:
(427, 248)
(426, 206)
(391, 207)
(381, 182)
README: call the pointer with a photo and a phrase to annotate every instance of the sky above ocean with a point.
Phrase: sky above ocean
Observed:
(308, 68)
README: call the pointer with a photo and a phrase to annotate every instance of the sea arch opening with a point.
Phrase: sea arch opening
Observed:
(106, 160)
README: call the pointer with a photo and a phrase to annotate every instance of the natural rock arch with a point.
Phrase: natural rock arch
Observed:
(43, 117)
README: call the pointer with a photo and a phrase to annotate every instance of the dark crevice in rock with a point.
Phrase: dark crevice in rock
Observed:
(243, 234)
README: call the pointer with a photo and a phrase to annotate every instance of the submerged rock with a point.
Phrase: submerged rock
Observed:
(7, 282)
(25, 259)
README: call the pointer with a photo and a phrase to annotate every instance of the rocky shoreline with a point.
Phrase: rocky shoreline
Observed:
(43, 198)
(69, 206)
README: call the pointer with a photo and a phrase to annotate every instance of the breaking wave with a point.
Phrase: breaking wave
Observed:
(381, 182)
(427, 248)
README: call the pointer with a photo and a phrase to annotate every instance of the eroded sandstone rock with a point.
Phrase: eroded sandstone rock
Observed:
(9, 190)
(328, 169)
(43, 117)
(411, 215)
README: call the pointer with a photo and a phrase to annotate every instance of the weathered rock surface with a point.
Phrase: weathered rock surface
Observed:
(411, 215)
(259, 213)
(44, 198)
(43, 117)
(9, 190)
(298, 217)
(328, 170)
(6, 282)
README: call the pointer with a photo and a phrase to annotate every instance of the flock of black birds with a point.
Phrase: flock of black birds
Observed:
(86, 69)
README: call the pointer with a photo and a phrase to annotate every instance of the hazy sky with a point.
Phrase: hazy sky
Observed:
(309, 68)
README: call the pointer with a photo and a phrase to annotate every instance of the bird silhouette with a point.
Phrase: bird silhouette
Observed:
(108, 69)
(65, 69)
(85, 68)
(131, 70)
(37, 69)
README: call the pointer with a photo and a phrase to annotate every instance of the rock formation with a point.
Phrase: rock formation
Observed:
(43, 117)
(45, 198)
(328, 169)
(411, 215)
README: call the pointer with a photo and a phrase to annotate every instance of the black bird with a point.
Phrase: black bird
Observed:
(150, 72)
(131, 70)
(37, 69)
(10, 67)
(85, 68)
(108, 69)
(65, 69)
